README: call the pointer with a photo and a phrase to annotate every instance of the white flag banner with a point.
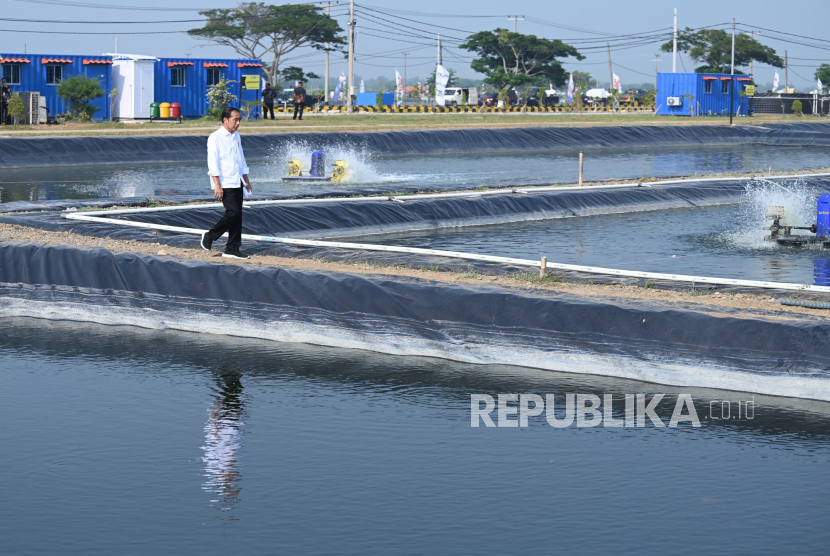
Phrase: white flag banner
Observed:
(398, 87)
(570, 88)
(362, 88)
(617, 83)
(775, 81)
(819, 85)
(340, 81)
(442, 77)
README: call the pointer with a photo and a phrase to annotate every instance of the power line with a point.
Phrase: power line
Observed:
(93, 32)
(102, 22)
(629, 69)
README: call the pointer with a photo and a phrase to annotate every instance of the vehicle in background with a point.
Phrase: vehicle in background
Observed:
(286, 97)
(633, 95)
(454, 96)
(531, 97)
(492, 98)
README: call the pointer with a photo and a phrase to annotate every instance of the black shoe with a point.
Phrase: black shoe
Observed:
(236, 255)
(205, 242)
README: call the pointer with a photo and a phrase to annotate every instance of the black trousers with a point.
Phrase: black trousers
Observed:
(4, 108)
(231, 222)
(268, 106)
(299, 106)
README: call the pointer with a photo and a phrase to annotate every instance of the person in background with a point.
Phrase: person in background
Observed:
(228, 172)
(299, 99)
(269, 95)
(5, 98)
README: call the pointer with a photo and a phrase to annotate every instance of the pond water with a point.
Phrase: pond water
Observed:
(120, 440)
(721, 241)
(424, 172)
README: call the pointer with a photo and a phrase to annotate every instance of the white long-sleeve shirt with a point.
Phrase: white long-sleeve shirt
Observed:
(225, 158)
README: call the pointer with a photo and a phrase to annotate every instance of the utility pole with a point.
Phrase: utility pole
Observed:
(440, 54)
(786, 72)
(674, 45)
(404, 74)
(516, 19)
(349, 102)
(732, 81)
(610, 69)
(328, 13)
(751, 60)
(656, 63)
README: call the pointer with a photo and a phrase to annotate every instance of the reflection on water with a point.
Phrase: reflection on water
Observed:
(350, 452)
(223, 440)
(149, 180)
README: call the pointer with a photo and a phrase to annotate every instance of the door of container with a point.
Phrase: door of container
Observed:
(99, 72)
(147, 93)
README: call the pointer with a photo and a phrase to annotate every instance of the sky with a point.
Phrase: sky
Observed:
(384, 35)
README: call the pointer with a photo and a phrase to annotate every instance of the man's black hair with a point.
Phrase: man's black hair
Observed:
(228, 112)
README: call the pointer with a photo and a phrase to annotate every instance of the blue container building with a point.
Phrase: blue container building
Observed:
(701, 94)
(186, 81)
(43, 73)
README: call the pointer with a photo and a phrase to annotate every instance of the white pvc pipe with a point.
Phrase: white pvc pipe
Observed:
(416, 196)
(470, 256)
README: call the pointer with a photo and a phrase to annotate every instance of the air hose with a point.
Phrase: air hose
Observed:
(808, 304)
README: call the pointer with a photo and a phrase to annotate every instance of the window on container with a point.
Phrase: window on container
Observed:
(724, 86)
(707, 86)
(177, 77)
(214, 75)
(11, 72)
(54, 75)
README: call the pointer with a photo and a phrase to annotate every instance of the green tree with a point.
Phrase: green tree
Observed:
(512, 59)
(823, 73)
(416, 93)
(798, 108)
(255, 30)
(583, 79)
(219, 97)
(16, 108)
(712, 48)
(293, 73)
(78, 91)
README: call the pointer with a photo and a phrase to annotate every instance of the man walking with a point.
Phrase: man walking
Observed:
(228, 172)
(299, 99)
(268, 97)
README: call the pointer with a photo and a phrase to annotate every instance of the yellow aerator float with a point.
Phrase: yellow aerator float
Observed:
(318, 169)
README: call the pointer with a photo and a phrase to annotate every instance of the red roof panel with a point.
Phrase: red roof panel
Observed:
(171, 64)
(15, 61)
(87, 62)
(215, 65)
(248, 65)
(55, 61)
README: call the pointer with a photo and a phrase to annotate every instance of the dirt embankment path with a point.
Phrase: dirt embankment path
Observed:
(761, 303)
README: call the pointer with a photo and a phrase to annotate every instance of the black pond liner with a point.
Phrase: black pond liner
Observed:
(341, 220)
(646, 341)
(18, 152)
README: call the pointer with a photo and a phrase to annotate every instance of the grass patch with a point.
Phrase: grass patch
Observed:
(534, 278)
(695, 291)
(648, 284)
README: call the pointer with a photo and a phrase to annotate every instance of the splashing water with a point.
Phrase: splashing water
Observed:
(797, 197)
(361, 167)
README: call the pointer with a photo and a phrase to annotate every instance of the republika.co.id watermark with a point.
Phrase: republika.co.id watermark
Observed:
(589, 410)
